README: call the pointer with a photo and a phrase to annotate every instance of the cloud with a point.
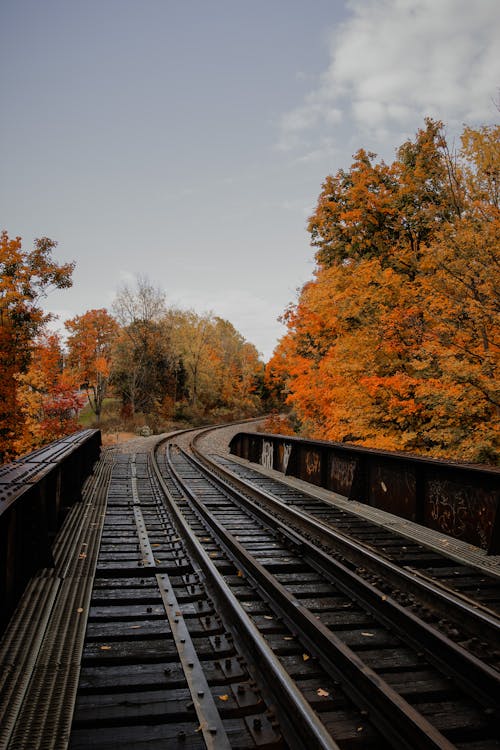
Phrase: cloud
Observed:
(393, 62)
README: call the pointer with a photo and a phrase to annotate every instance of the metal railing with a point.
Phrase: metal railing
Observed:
(36, 492)
(460, 500)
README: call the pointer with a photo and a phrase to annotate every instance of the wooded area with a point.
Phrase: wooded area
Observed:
(395, 341)
(393, 344)
(159, 364)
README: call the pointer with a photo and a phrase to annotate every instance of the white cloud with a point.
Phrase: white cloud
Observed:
(393, 62)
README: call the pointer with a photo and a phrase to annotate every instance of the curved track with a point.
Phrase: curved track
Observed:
(412, 686)
(186, 609)
(465, 600)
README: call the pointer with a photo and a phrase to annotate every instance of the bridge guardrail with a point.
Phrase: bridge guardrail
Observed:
(461, 500)
(36, 491)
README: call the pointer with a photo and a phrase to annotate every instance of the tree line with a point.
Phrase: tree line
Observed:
(394, 343)
(159, 362)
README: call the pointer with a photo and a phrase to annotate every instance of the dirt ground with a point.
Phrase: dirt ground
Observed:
(112, 438)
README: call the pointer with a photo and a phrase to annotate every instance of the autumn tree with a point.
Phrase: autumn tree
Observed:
(223, 371)
(90, 341)
(47, 395)
(387, 212)
(26, 277)
(168, 361)
(235, 370)
(191, 334)
(144, 365)
(394, 343)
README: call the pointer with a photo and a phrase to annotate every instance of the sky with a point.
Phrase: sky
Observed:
(186, 141)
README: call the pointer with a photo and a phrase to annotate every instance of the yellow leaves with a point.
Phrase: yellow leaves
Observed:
(223, 697)
(322, 693)
(105, 648)
(305, 657)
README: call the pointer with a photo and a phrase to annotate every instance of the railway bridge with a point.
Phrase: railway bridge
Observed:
(224, 588)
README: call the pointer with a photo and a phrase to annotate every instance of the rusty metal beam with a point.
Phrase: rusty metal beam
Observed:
(461, 500)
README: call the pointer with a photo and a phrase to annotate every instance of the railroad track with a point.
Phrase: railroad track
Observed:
(464, 600)
(158, 666)
(473, 584)
(195, 613)
(410, 683)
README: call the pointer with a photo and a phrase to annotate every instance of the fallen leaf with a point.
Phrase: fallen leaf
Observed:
(368, 635)
(288, 638)
(79, 610)
(82, 555)
(223, 697)
(322, 693)
(240, 574)
(268, 617)
(134, 627)
(105, 648)
(305, 657)
(213, 554)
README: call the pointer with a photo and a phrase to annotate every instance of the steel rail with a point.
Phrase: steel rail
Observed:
(295, 714)
(475, 676)
(400, 724)
(475, 617)
(211, 724)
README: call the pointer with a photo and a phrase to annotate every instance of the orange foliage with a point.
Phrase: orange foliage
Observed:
(25, 278)
(278, 424)
(90, 346)
(48, 397)
(395, 342)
